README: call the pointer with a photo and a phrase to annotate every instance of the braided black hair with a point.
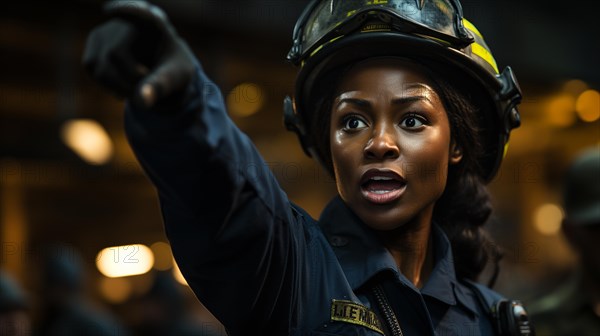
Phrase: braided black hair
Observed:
(465, 206)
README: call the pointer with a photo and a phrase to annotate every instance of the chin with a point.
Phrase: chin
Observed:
(384, 218)
(398, 215)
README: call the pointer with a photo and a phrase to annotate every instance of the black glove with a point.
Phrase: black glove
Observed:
(137, 54)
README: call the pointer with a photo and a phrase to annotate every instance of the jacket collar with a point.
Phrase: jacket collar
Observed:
(358, 250)
(362, 256)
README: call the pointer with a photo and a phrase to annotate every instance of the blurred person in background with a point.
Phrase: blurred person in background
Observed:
(162, 311)
(15, 318)
(574, 307)
(65, 308)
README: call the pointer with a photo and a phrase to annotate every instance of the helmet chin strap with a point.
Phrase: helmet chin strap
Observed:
(293, 123)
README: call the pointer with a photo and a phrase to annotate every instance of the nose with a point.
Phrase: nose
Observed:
(382, 145)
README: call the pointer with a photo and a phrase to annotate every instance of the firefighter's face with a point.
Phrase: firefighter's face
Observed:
(390, 143)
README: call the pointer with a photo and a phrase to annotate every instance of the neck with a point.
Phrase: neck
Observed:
(410, 247)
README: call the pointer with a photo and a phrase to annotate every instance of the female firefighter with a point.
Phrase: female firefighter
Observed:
(401, 101)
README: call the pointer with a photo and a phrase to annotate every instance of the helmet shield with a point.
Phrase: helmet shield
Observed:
(439, 20)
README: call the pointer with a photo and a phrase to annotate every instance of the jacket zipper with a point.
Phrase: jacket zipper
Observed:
(388, 313)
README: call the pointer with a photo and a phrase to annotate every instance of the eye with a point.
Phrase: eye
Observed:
(354, 123)
(413, 121)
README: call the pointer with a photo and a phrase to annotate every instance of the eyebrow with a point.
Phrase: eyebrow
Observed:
(396, 101)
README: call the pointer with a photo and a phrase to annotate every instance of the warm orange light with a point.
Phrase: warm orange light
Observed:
(126, 260)
(245, 99)
(177, 274)
(588, 105)
(548, 219)
(575, 86)
(560, 110)
(88, 139)
(115, 290)
(163, 259)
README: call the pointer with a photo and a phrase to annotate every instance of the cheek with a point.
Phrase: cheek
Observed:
(427, 160)
(342, 162)
(345, 156)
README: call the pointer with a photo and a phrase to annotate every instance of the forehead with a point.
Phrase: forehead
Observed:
(390, 73)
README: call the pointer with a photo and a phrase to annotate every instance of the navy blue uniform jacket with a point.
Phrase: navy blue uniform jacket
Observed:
(260, 263)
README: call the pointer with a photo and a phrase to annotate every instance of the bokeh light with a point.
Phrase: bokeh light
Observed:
(574, 86)
(560, 110)
(115, 290)
(245, 99)
(163, 259)
(126, 260)
(588, 105)
(548, 219)
(88, 139)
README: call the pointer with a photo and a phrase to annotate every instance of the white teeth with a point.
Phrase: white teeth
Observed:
(381, 178)
(380, 192)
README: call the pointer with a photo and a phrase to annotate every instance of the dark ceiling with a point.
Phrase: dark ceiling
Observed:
(542, 40)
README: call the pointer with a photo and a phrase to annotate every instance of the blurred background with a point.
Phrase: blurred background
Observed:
(68, 177)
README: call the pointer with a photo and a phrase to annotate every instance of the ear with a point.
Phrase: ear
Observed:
(455, 153)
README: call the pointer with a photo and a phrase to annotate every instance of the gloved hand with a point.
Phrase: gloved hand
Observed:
(137, 54)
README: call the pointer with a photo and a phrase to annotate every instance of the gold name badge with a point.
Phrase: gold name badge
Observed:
(352, 312)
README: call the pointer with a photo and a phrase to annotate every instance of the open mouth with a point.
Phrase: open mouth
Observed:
(382, 186)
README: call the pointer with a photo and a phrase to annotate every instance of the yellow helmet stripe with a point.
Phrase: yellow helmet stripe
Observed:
(471, 27)
(479, 49)
(482, 52)
(324, 44)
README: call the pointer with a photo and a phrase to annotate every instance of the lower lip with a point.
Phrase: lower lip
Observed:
(383, 198)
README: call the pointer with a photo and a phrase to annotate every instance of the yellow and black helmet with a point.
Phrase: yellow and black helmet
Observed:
(333, 33)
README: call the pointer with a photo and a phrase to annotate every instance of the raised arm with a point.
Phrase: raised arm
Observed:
(234, 234)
